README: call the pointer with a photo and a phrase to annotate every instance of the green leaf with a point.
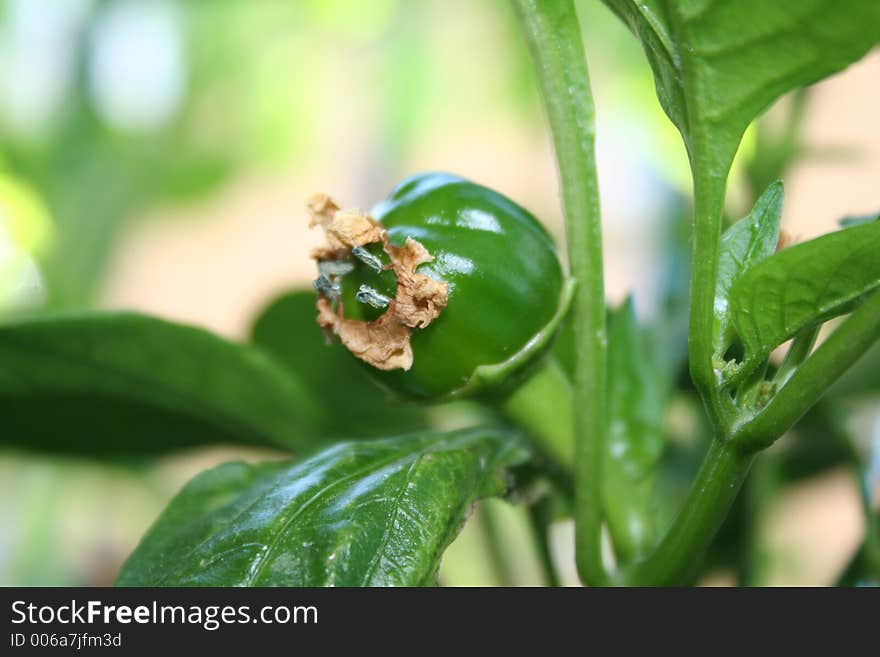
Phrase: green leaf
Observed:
(803, 285)
(718, 64)
(368, 513)
(634, 442)
(352, 405)
(117, 384)
(747, 242)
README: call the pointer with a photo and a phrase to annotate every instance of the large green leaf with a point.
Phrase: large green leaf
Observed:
(112, 384)
(747, 242)
(634, 442)
(353, 405)
(803, 285)
(368, 513)
(718, 64)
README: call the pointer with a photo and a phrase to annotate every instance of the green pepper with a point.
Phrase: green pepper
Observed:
(486, 295)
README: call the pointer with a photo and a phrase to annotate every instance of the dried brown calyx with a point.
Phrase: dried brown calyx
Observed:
(384, 342)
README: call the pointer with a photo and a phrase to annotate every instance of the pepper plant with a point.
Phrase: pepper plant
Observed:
(448, 291)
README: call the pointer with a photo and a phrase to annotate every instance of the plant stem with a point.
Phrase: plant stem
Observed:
(502, 571)
(543, 406)
(554, 39)
(760, 487)
(720, 477)
(539, 520)
(708, 206)
(810, 381)
(728, 460)
(797, 353)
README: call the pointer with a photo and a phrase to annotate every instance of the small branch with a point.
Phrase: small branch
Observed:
(502, 570)
(800, 348)
(713, 492)
(556, 46)
(539, 520)
(810, 381)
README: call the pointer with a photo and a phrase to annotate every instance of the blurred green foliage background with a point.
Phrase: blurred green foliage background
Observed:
(156, 155)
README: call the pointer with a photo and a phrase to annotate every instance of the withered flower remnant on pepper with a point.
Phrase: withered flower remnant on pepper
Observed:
(384, 342)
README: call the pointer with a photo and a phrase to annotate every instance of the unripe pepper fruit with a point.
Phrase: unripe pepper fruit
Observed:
(505, 286)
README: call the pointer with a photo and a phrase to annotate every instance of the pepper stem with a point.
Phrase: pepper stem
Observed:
(555, 42)
(543, 407)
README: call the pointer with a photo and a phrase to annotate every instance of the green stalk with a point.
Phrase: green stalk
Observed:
(555, 43)
(502, 571)
(797, 353)
(543, 407)
(539, 522)
(810, 381)
(760, 487)
(717, 484)
(728, 460)
(708, 207)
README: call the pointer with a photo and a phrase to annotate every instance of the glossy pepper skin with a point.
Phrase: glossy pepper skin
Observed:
(505, 283)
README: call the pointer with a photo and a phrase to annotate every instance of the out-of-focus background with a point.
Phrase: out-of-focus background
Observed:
(156, 155)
